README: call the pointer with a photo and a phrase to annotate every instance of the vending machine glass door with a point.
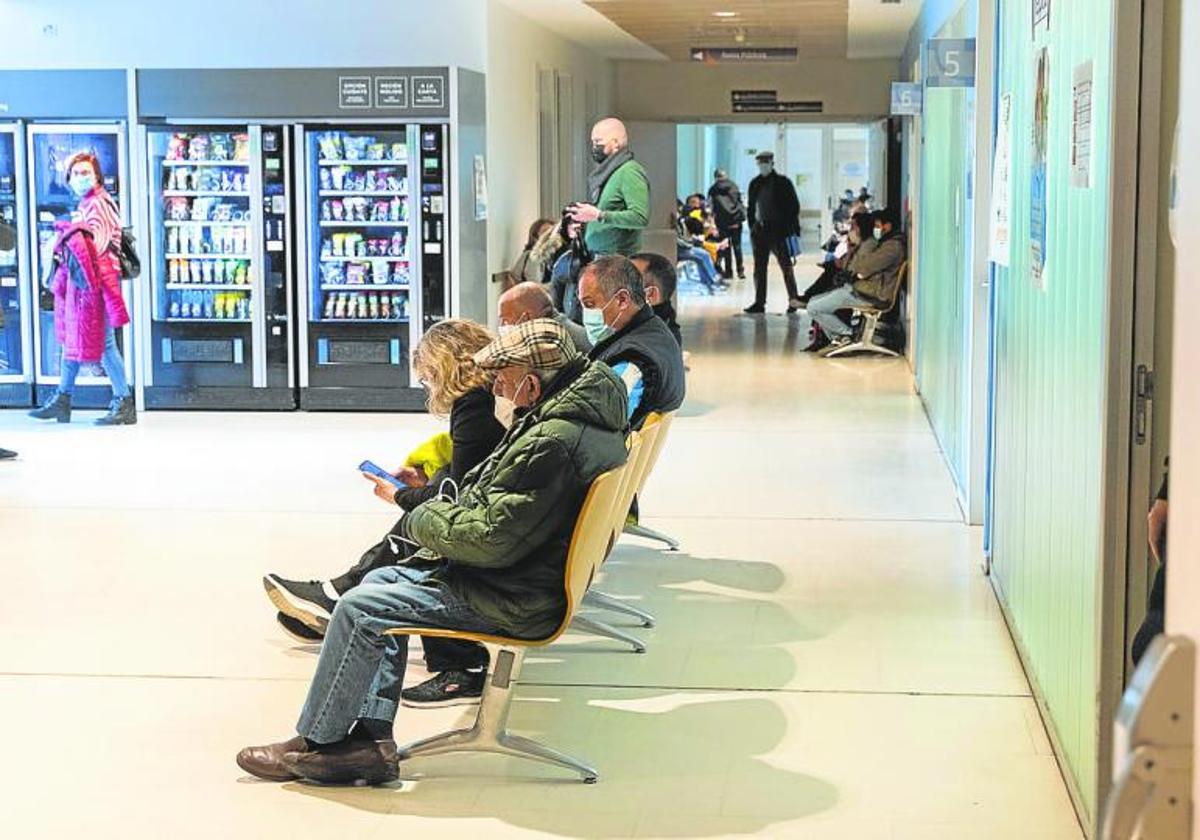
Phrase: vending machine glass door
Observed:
(51, 201)
(16, 350)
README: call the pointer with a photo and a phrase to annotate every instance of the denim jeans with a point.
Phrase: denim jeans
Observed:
(823, 309)
(708, 271)
(114, 366)
(361, 670)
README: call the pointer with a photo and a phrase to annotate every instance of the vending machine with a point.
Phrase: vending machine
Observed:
(16, 338)
(373, 271)
(50, 116)
(219, 332)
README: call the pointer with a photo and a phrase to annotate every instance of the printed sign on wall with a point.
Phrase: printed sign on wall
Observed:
(906, 99)
(999, 250)
(1037, 186)
(1081, 126)
(950, 62)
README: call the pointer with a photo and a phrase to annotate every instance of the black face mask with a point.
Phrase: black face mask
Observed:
(598, 153)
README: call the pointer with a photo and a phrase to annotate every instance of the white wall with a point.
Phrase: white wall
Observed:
(241, 33)
(517, 46)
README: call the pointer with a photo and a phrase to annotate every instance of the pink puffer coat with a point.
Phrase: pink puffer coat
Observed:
(87, 293)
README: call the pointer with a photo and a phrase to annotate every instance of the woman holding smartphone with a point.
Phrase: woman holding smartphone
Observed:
(458, 389)
(88, 306)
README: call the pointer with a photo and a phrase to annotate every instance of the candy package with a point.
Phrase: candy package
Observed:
(331, 274)
(330, 144)
(177, 147)
(377, 151)
(356, 274)
(220, 147)
(241, 147)
(399, 151)
(397, 247)
(356, 147)
(178, 209)
(198, 147)
(326, 178)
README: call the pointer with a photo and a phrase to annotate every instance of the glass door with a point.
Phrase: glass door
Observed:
(16, 351)
(51, 201)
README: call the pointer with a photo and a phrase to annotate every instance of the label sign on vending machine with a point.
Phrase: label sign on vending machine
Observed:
(429, 92)
(354, 91)
(391, 91)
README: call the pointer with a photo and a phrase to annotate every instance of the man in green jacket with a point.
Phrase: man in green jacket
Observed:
(618, 207)
(493, 560)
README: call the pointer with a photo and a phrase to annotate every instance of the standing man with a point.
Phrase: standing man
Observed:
(774, 215)
(729, 213)
(618, 207)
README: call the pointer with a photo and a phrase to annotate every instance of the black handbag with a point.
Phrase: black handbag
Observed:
(127, 256)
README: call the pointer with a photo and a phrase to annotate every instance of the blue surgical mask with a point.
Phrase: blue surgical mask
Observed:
(83, 184)
(593, 322)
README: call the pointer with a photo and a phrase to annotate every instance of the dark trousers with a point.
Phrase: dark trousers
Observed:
(726, 257)
(763, 248)
(440, 654)
(827, 282)
(1156, 616)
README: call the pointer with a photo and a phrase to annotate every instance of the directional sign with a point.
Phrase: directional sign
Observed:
(906, 99)
(753, 96)
(794, 107)
(720, 55)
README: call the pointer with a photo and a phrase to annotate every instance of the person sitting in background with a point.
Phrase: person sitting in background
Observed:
(873, 274)
(691, 249)
(456, 387)
(659, 279)
(492, 560)
(564, 275)
(542, 247)
(630, 338)
(529, 302)
(861, 229)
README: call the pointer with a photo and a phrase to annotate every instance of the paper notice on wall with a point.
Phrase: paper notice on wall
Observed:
(1081, 126)
(1038, 201)
(998, 249)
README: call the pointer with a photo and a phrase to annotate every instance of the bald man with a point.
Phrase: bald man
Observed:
(618, 207)
(529, 301)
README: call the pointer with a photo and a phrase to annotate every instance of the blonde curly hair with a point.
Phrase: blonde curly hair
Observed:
(443, 359)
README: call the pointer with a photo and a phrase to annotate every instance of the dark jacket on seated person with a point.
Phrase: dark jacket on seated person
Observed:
(646, 341)
(502, 546)
(878, 263)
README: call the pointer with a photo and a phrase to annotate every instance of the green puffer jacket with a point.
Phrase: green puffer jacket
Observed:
(503, 544)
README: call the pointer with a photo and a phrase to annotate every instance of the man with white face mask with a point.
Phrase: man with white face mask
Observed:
(490, 560)
(529, 301)
(773, 211)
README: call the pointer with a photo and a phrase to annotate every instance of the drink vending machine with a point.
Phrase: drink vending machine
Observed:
(16, 339)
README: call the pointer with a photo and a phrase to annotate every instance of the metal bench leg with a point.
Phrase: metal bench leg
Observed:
(866, 342)
(489, 732)
(650, 534)
(599, 628)
(607, 602)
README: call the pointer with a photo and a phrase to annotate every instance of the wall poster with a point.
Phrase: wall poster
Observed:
(1001, 184)
(1081, 126)
(1037, 169)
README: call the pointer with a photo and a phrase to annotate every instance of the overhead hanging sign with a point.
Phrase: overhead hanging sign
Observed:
(722, 55)
(950, 62)
(792, 107)
(737, 96)
(906, 99)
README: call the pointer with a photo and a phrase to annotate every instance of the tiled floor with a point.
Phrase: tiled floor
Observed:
(829, 662)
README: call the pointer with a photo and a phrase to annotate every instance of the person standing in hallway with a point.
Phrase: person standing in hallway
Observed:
(618, 207)
(774, 215)
(88, 306)
(729, 213)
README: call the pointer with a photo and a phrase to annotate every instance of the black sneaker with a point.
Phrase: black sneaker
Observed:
(755, 309)
(7, 454)
(306, 601)
(298, 630)
(449, 688)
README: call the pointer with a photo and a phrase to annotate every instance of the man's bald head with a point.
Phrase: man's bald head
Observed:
(526, 301)
(610, 134)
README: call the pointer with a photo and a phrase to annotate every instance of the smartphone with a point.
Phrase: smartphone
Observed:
(371, 468)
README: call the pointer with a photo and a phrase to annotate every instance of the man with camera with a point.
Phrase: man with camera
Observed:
(618, 206)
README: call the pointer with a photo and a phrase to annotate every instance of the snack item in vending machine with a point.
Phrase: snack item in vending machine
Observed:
(399, 151)
(339, 308)
(240, 240)
(339, 244)
(330, 301)
(338, 174)
(173, 240)
(396, 210)
(325, 178)
(173, 307)
(197, 305)
(400, 274)
(395, 183)
(329, 144)
(397, 246)
(221, 147)
(356, 274)
(198, 147)
(331, 274)
(379, 273)
(337, 210)
(239, 182)
(385, 306)
(177, 147)
(241, 274)
(207, 272)
(219, 272)
(173, 271)
(373, 306)
(362, 304)
(326, 248)
(178, 209)
(326, 211)
(377, 151)
(241, 147)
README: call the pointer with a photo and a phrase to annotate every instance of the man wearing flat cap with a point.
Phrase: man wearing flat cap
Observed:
(492, 560)
(773, 212)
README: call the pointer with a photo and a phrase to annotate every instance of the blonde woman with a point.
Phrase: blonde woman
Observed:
(463, 392)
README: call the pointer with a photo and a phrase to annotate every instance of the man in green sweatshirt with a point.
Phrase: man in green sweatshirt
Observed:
(618, 205)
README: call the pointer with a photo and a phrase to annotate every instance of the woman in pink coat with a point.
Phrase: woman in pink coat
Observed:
(88, 307)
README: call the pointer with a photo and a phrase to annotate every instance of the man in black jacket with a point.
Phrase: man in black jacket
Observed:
(658, 276)
(630, 338)
(774, 215)
(729, 213)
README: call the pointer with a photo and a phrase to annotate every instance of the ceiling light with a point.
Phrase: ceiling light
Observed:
(724, 14)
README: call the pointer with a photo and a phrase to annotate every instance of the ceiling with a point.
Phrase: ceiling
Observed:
(657, 29)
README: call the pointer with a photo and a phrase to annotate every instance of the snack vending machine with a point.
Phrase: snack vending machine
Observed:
(219, 332)
(50, 147)
(373, 269)
(16, 339)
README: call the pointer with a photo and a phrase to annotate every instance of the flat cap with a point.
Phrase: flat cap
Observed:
(765, 156)
(541, 344)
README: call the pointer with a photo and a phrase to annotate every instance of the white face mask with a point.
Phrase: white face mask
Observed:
(506, 407)
(766, 168)
(505, 329)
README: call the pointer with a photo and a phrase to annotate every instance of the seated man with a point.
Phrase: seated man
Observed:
(492, 561)
(530, 301)
(874, 272)
(658, 276)
(691, 249)
(630, 338)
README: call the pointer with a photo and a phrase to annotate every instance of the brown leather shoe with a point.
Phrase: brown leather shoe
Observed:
(347, 762)
(266, 762)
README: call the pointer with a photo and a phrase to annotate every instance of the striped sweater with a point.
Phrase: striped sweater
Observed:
(98, 211)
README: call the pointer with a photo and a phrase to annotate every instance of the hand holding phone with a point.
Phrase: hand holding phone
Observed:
(376, 471)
